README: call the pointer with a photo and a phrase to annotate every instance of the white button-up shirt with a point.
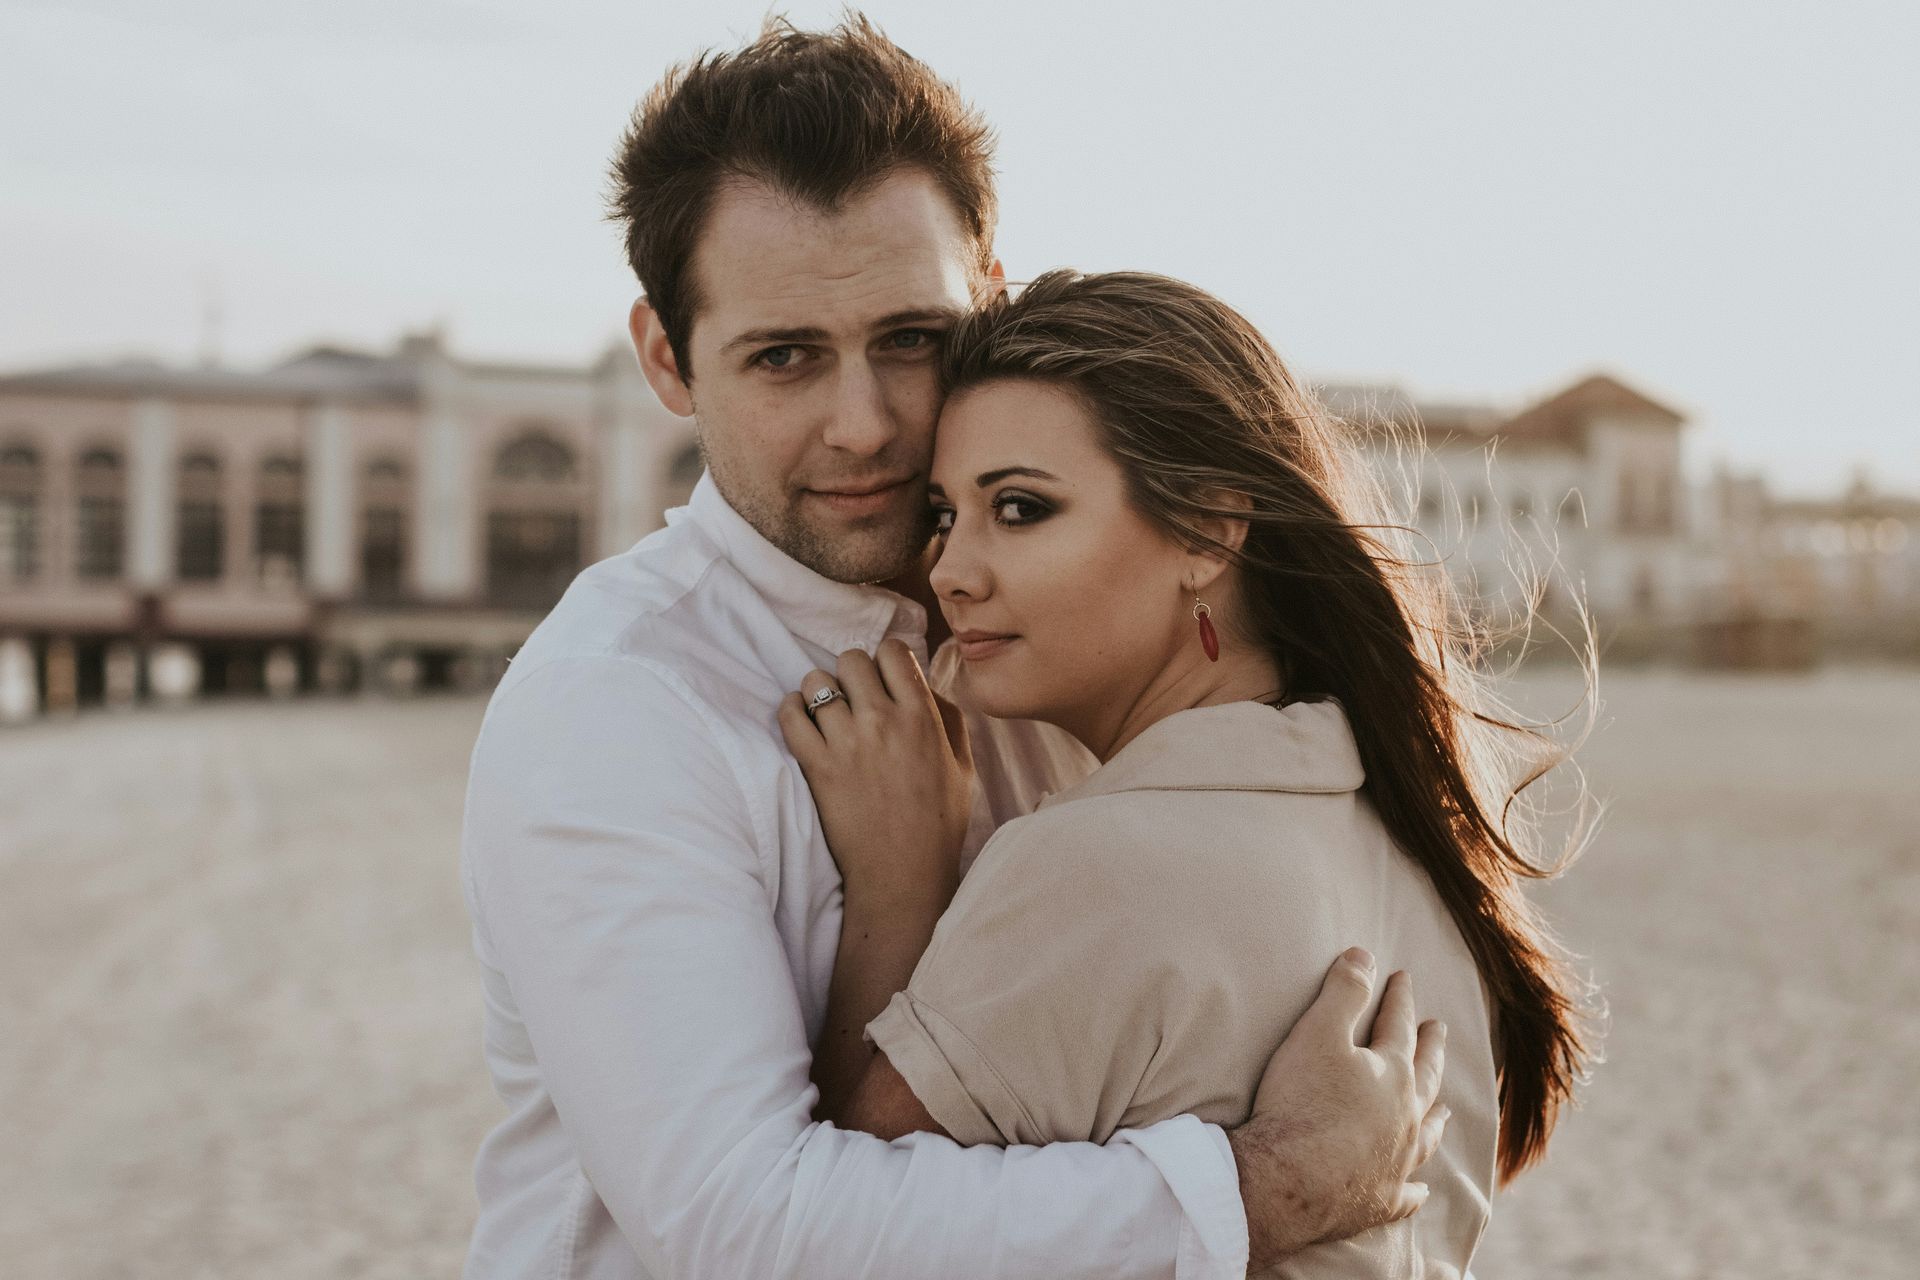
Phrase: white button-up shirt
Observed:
(656, 914)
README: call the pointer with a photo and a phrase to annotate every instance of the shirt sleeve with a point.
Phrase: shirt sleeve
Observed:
(615, 870)
(1037, 1009)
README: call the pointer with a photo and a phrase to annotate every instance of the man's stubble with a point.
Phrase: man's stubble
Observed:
(876, 553)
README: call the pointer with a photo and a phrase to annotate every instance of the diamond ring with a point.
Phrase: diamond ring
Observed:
(822, 698)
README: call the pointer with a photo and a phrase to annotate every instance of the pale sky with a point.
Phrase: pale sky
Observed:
(1717, 202)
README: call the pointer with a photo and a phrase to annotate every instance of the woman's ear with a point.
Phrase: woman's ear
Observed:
(1227, 531)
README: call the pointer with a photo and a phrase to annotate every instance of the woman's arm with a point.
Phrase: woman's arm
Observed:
(878, 950)
(884, 1104)
(891, 776)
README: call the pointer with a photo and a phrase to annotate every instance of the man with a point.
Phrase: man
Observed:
(655, 910)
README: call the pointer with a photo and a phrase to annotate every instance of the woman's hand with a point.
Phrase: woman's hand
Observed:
(891, 775)
(892, 778)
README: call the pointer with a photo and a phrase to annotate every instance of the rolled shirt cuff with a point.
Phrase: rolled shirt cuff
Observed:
(1193, 1158)
(933, 1056)
(1197, 1162)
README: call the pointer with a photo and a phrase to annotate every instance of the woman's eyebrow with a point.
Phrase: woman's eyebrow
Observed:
(989, 477)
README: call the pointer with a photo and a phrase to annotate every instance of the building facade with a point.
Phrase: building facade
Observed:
(342, 520)
(1847, 567)
(1583, 493)
(398, 521)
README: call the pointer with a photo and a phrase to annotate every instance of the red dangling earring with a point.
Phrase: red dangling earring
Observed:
(1203, 612)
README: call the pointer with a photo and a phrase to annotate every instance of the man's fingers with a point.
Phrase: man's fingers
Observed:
(1345, 995)
(1431, 1130)
(1429, 1059)
(1393, 1026)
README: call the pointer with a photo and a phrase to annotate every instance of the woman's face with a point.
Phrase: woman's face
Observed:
(1064, 601)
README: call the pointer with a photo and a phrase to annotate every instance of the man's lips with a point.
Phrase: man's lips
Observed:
(975, 645)
(859, 499)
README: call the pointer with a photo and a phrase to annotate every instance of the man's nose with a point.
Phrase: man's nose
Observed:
(862, 423)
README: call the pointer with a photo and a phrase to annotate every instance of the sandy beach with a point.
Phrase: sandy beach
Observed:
(241, 1018)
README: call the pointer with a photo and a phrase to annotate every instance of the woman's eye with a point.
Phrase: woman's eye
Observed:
(943, 520)
(1018, 510)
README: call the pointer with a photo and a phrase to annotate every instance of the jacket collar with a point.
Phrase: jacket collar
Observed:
(835, 616)
(1236, 746)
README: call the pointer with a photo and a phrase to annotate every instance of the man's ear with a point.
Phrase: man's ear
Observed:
(995, 284)
(657, 361)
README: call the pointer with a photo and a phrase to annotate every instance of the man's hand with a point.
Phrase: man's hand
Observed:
(1338, 1128)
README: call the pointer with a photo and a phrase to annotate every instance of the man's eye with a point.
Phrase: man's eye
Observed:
(779, 357)
(912, 339)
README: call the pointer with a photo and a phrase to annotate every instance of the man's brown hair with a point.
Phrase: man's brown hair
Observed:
(818, 116)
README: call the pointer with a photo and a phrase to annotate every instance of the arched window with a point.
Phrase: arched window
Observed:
(384, 502)
(19, 513)
(535, 532)
(682, 474)
(533, 455)
(100, 515)
(279, 521)
(201, 534)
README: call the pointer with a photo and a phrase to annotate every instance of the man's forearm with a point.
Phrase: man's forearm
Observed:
(879, 946)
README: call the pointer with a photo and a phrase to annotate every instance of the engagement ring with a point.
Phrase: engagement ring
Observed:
(821, 699)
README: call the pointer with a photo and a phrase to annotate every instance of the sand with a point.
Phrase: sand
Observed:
(241, 1020)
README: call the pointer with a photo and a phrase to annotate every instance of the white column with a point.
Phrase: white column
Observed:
(151, 496)
(447, 499)
(329, 501)
(19, 682)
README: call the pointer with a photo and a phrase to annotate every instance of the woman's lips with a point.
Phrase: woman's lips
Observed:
(975, 645)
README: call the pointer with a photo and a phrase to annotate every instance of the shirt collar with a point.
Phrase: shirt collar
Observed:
(836, 616)
(1236, 746)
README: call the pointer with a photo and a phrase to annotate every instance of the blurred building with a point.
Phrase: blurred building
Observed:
(343, 519)
(402, 520)
(1583, 491)
(1848, 565)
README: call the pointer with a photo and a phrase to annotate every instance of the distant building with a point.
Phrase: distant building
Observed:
(1585, 488)
(343, 519)
(1850, 564)
(350, 520)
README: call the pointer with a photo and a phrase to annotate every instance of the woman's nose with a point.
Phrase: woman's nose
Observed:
(959, 573)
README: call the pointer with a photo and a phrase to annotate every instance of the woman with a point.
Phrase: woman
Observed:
(1150, 541)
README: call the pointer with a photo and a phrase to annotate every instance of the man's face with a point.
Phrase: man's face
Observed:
(814, 359)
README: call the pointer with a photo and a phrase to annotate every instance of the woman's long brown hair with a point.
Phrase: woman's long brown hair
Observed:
(1209, 425)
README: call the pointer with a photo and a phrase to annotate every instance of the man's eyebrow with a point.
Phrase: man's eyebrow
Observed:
(773, 337)
(989, 477)
(918, 315)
